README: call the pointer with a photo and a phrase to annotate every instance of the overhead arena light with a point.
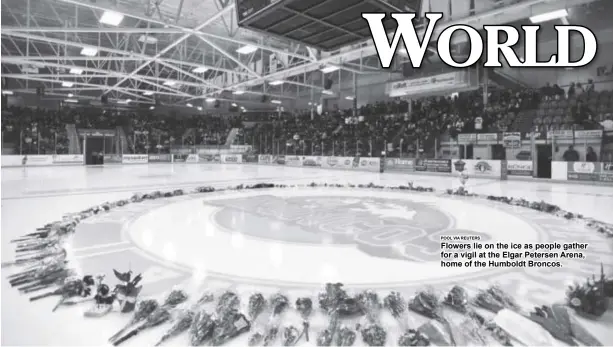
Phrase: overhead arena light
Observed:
(238, 92)
(71, 101)
(247, 49)
(278, 102)
(67, 84)
(126, 101)
(148, 39)
(200, 69)
(76, 71)
(189, 105)
(329, 69)
(170, 83)
(545, 17)
(234, 104)
(199, 108)
(210, 99)
(7, 92)
(152, 107)
(111, 18)
(89, 51)
(327, 92)
(148, 93)
(349, 97)
(70, 95)
(276, 83)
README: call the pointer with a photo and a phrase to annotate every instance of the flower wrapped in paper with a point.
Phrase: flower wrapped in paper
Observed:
(496, 332)
(468, 333)
(345, 337)
(413, 337)
(457, 299)
(562, 325)
(72, 288)
(304, 306)
(201, 329)
(127, 290)
(227, 301)
(145, 309)
(495, 299)
(291, 334)
(332, 296)
(205, 298)
(229, 325)
(175, 298)
(181, 325)
(437, 333)
(370, 304)
(159, 316)
(426, 303)
(589, 300)
(374, 335)
(324, 338)
(395, 303)
(278, 304)
(257, 304)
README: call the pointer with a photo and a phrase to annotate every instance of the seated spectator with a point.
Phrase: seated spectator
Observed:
(571, 154)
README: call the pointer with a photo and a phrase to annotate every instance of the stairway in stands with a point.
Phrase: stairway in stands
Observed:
(231, 136)
(74, 144)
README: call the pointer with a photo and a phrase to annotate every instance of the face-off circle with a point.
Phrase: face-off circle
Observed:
(300, 238)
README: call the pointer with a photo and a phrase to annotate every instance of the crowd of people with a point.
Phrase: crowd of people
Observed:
(396, 125)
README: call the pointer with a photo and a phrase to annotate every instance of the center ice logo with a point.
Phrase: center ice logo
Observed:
(386, 228)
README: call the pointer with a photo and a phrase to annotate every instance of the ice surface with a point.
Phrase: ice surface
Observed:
(34, 196)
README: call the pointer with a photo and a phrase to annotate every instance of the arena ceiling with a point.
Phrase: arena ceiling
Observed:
(178, 52)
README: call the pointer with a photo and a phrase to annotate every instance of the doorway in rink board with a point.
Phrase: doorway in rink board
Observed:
(96, 144)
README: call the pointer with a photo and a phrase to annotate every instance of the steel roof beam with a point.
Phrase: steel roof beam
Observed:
(168, 48)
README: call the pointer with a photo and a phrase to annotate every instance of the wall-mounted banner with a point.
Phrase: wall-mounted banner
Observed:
(96, 132)
(179, 158)
(587, 171)
(478, 168)
(160, 158)
(68, 159)
(134, 159)
(560, 134)
(208, 158)
(490, 137)
(427, 85)
(292, 160)
(588, 134)
(520, 168)
(433, 165)
(231, 158)
(512, 140)
(311, 161)
(467, 138)
(397, 164)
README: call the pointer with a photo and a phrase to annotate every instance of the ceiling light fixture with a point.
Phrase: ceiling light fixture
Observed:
(76, 71)
(111, 18)
(189, 105)
(170, 83)
(278, 102)
(327, 92)
(67, 84)
(200, 69)
(210, 99)
(247, 49)
(7, 92)
(329, 69)
(238, 92)
(71, 101)
(545, 17)
(70, 95)
(350, 98)
(148, 39)
(89, 51)
(148, 93)
(276, 83)
(152, 107)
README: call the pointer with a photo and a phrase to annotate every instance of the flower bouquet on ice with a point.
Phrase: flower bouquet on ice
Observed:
(181, 324)
(589, 299)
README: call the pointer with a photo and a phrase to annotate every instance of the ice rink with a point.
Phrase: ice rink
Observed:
(266, 241)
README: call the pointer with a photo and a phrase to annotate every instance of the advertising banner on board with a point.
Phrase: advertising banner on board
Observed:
(400, 164)
(293, 160)
(520, 167)
(250, 158)
(134, 159)
(479, 168)
(369, 164)
(231, 158)
(433, 165)
(587, 171)
(265, 159)
(160, 158)
(346, 163)
(112, 159)
(68, 159)
(313, 161)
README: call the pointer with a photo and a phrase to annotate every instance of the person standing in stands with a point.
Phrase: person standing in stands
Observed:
(570, 154)
(591, 156)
